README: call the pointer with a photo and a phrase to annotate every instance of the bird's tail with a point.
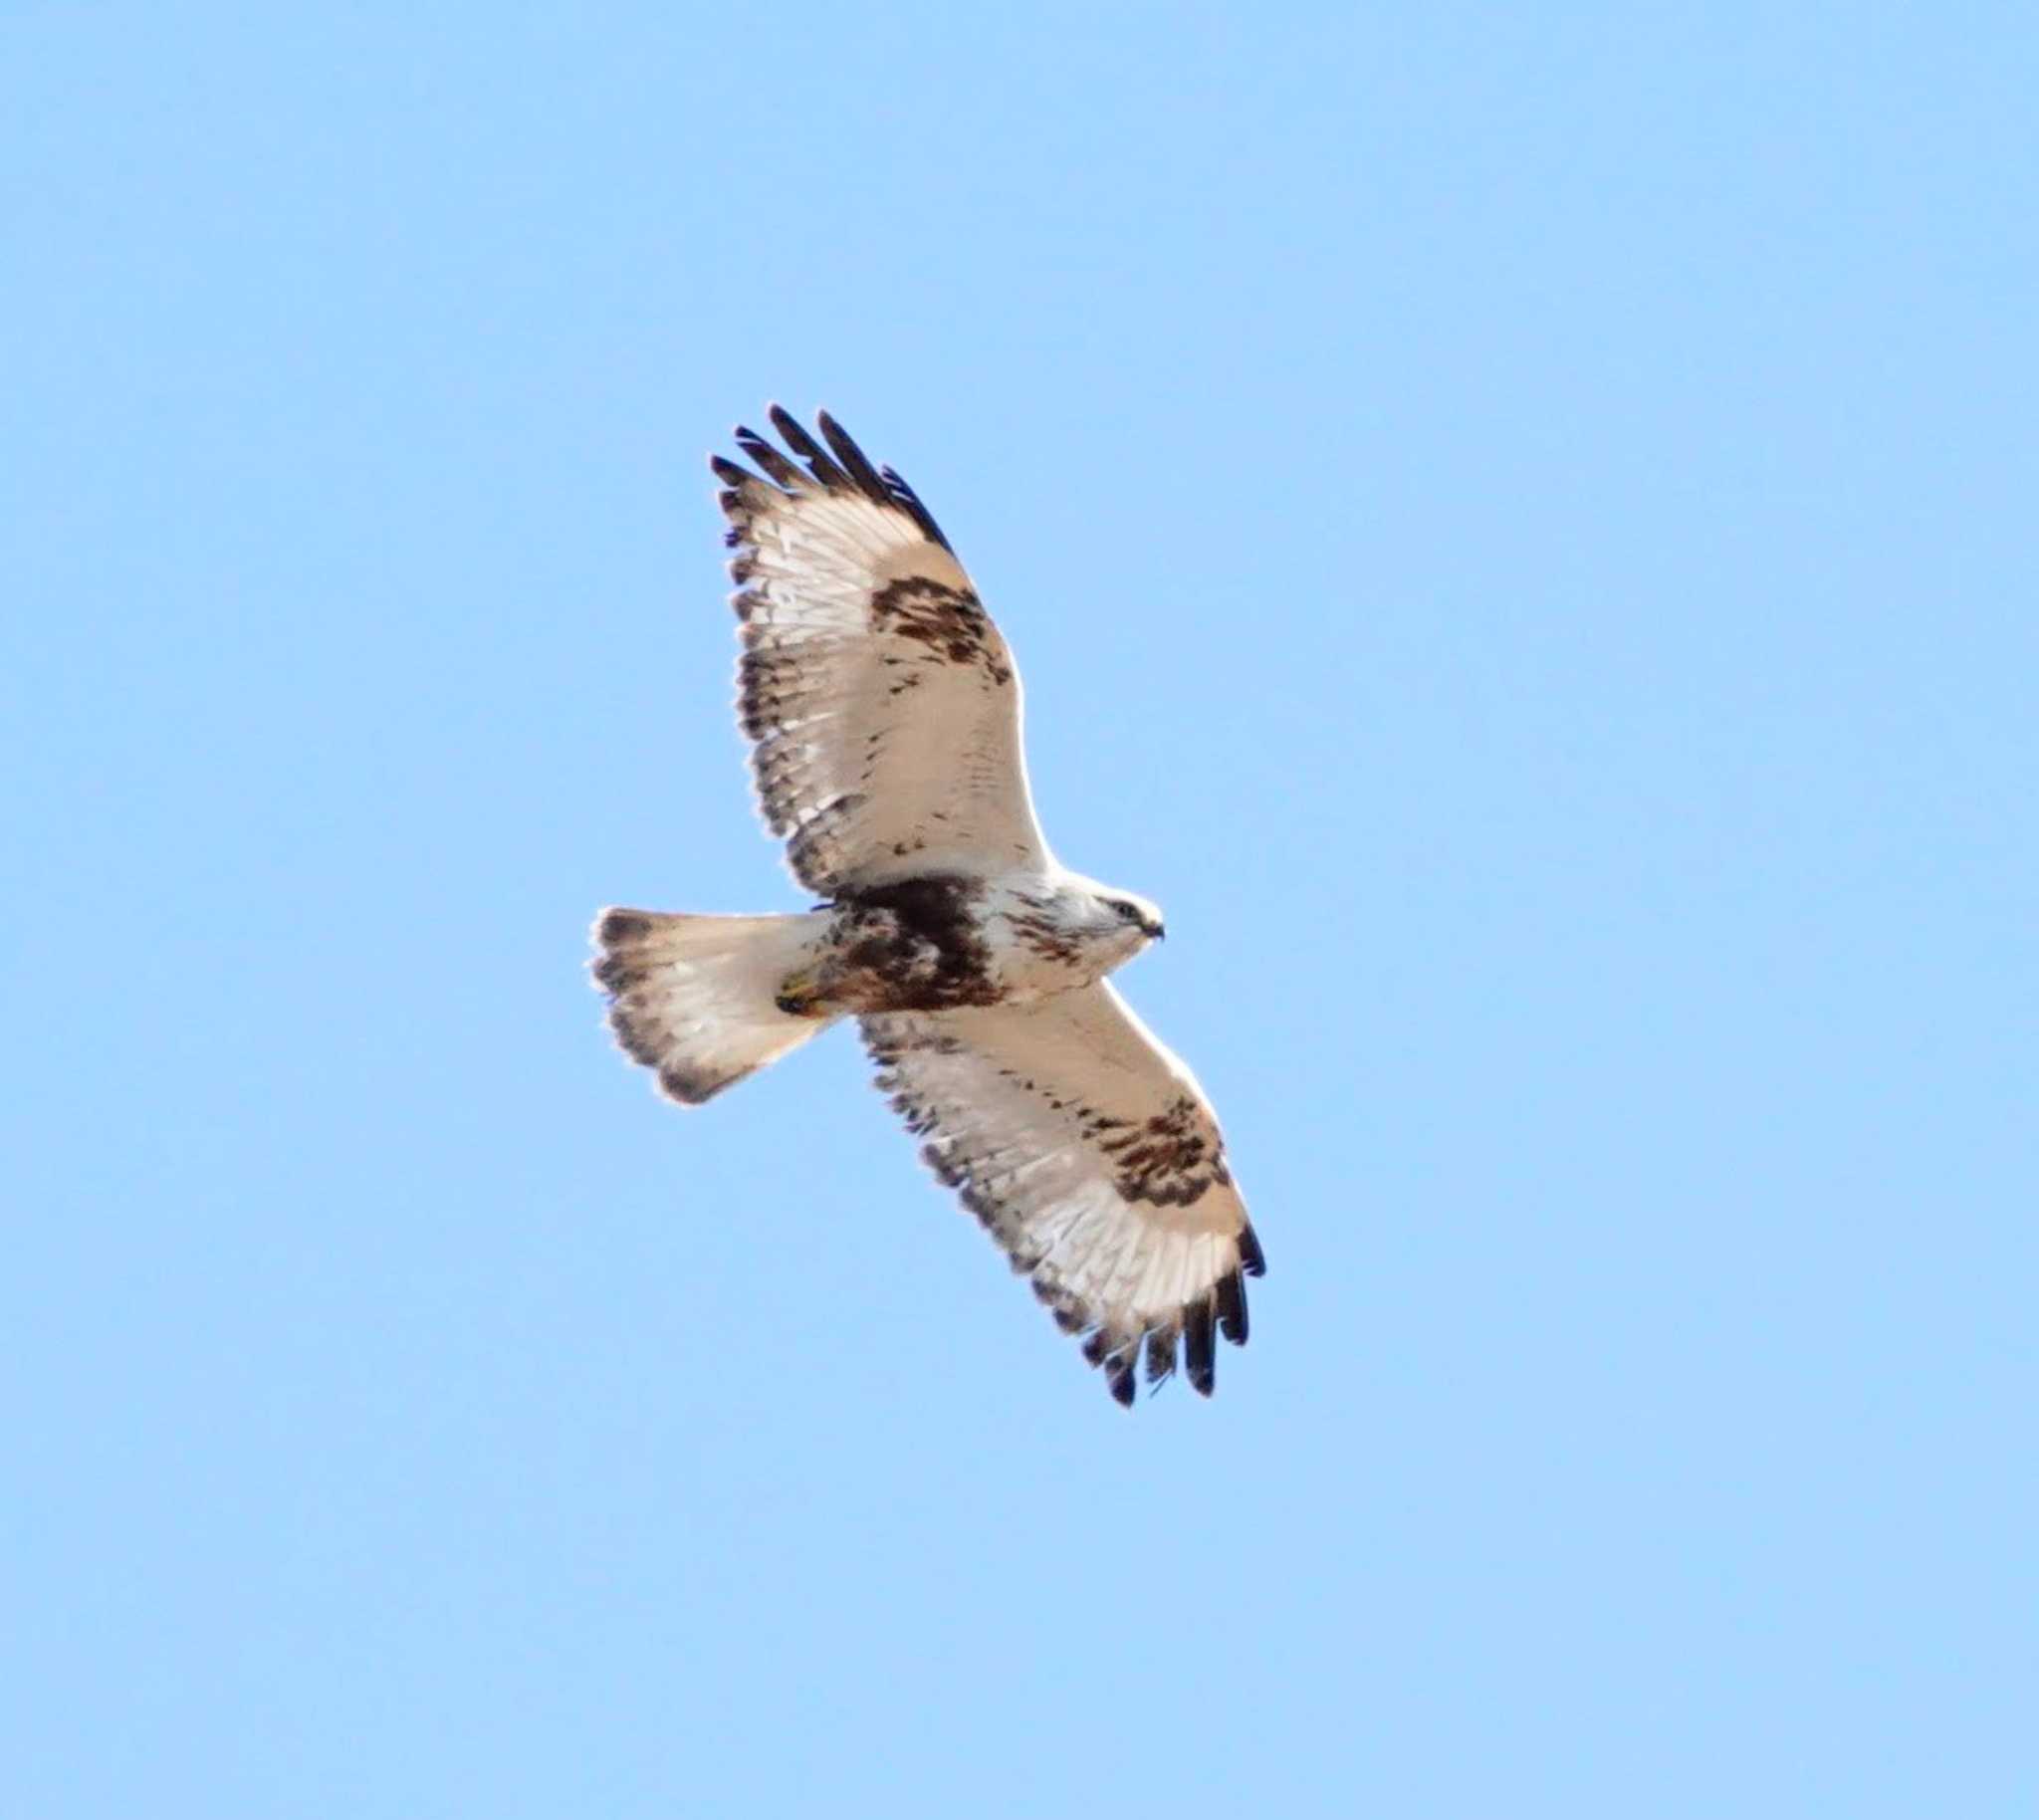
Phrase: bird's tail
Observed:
(695, 996)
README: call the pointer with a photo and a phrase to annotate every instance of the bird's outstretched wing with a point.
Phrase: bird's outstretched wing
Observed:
(882, 702)
(1089, 1153)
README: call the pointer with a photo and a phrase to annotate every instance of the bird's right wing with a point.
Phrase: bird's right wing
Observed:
(882, 702)
(1090, 1154)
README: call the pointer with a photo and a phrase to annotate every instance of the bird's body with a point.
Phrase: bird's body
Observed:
(884, 711)
(940, 941)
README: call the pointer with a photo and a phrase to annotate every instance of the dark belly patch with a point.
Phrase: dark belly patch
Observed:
(910, 946)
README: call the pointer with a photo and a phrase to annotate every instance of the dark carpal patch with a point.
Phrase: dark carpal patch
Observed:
(1172, 1160)
(950, 622)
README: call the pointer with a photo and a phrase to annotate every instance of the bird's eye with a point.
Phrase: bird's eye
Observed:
(1127, 912)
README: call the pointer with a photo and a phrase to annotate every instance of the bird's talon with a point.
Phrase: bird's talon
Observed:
(798, 994)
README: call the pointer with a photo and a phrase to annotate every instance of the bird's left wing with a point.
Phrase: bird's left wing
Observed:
(882, 701)
(1090, 1154)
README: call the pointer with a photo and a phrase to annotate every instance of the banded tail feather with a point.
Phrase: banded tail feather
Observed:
(693, 998)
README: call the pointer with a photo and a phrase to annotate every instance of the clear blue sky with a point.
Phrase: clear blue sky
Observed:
(1518, 525)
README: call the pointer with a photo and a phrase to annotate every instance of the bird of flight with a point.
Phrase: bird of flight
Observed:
(883, 710)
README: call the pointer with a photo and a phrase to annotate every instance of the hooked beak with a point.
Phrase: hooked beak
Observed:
(1157, 930)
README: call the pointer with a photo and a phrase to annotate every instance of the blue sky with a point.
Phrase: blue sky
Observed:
(1517, 523)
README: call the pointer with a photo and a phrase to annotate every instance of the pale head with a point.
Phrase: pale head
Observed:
(1113, 923)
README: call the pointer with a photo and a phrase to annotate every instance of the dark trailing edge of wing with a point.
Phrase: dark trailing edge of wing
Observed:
(842, 467)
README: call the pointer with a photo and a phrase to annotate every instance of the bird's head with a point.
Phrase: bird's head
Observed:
(1120, 922)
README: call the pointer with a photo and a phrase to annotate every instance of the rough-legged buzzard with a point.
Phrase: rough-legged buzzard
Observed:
(883, 709)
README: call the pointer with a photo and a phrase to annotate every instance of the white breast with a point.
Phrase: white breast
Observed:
(1037, 949)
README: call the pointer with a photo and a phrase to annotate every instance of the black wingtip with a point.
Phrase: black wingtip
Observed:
(1232, 1307)
(1250, 1258)
(1117, 1366)
(855, 460)
(908, 501)
(1160, 1356)
(776, 465)
(841, 467)
(793, 433)
(1200, 1348)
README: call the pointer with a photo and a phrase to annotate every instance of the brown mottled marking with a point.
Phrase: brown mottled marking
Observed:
(1168, 1160)
(1043, 938)
(950, 622)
